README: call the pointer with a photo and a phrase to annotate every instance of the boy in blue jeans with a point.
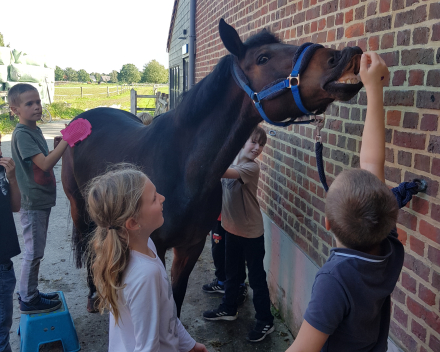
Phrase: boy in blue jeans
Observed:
(244, 238)
(34, 169)
(9, 202)
(350, 305)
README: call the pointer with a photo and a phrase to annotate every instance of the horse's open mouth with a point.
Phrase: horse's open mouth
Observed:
(348, 84)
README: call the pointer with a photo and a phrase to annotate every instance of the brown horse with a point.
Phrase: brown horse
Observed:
(186, 150)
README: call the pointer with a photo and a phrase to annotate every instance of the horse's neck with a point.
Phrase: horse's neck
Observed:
(220, 136)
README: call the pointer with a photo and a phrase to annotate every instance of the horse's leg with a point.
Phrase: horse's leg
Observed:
(81, 224)
(183, 263)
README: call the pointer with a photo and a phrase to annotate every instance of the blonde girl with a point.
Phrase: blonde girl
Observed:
(130, 278)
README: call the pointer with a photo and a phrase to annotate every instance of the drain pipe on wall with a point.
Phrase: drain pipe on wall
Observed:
(192, 42)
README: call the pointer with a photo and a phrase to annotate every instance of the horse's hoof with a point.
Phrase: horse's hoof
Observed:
(92, 305)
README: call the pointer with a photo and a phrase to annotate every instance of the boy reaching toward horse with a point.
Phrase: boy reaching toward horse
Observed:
(244, 238)
(34, 169)
(350, 305)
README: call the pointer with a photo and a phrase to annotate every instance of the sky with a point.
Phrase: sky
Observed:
(94, 35)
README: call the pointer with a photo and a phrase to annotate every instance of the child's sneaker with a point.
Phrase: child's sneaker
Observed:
(39, 305)
(260, 331)
(49, 296)
(214, 287)
(219, 314)
(242, 294)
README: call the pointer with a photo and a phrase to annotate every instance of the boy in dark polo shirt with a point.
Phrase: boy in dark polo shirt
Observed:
(9, 202)
(350, 305)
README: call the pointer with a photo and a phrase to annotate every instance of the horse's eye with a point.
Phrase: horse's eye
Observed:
(262, 60)
(331, 61)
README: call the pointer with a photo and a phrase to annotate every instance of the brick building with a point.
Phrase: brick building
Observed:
(406, 33)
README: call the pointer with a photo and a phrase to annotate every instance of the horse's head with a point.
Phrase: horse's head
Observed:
(325, 74)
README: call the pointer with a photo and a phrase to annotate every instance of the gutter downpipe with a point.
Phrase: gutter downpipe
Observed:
(192, 41)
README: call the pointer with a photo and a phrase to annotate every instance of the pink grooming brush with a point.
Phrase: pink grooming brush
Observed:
(76, 131)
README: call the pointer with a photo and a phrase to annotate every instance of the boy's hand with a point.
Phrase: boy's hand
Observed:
(198, 347)
(377, 71)
(9, 166)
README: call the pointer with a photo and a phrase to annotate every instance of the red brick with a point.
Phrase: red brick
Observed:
(399, 98)
(422, 162)
(355, 30)
(418, 330)
(393, 117)
(408, 220)
(402, 235)
(409, 140)
(435, 280)
(371, 8)
(416, 77)
(409, 282)
(339, 18)
(417, 246)
(349, 16)
(435, 170)
(410, 120)
(434, 255)
(429, 122)
(398, 295)
(421, 35)
(417, 266)
(420, 205)
(429, 231)
(435, 32)
(321, 24)
(387, 41)
(426, 295)
(435, 212)
(410, 17)
(400, 316)
(313, 26)
(404, 158)
(399, 77)
(362, 43)
(384, 6)
(373, 43)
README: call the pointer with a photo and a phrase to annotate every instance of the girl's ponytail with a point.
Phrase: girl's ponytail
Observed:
(112, 199)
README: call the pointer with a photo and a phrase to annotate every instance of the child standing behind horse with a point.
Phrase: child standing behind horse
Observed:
(130, 278)
(243, 222)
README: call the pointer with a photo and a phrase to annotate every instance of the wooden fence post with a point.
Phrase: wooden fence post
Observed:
(81, 92)
(133, 102)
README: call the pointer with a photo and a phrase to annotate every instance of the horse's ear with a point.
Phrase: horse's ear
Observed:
(231, 40)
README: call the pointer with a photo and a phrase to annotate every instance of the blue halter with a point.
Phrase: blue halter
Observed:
(284, 84)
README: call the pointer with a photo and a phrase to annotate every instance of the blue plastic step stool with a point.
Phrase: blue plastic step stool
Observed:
(41, 328)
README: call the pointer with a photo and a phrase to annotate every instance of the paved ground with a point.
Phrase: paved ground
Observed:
(58, 272)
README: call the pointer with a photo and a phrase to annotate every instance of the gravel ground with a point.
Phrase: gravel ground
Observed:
(58, 272)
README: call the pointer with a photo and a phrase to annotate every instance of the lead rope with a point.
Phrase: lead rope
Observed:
(319, 124)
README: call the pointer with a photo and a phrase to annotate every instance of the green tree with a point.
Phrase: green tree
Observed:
(97, 76)
(83, 76)
(59, 73)
(129, 74)
(114, 76)
(2, 43)
(154, 72)
(71, 74)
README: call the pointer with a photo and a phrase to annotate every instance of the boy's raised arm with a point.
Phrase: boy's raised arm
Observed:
(46, 163)
(372, 155)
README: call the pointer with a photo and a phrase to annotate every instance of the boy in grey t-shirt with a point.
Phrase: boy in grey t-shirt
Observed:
(36, 181)
(244, 238)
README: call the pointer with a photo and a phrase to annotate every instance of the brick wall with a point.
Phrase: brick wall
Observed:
(407, 36)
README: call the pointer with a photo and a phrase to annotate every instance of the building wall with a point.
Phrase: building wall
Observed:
(406, 33)
(181, 22)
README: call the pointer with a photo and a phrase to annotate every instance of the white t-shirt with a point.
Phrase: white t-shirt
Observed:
(148, 316)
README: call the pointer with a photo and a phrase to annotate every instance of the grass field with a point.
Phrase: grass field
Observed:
(68, 102)
(71, 95)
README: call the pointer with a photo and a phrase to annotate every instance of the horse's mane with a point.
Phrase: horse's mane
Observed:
(200, 98)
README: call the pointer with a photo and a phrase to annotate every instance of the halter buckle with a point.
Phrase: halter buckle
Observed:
(290, 80)
(318, 122)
